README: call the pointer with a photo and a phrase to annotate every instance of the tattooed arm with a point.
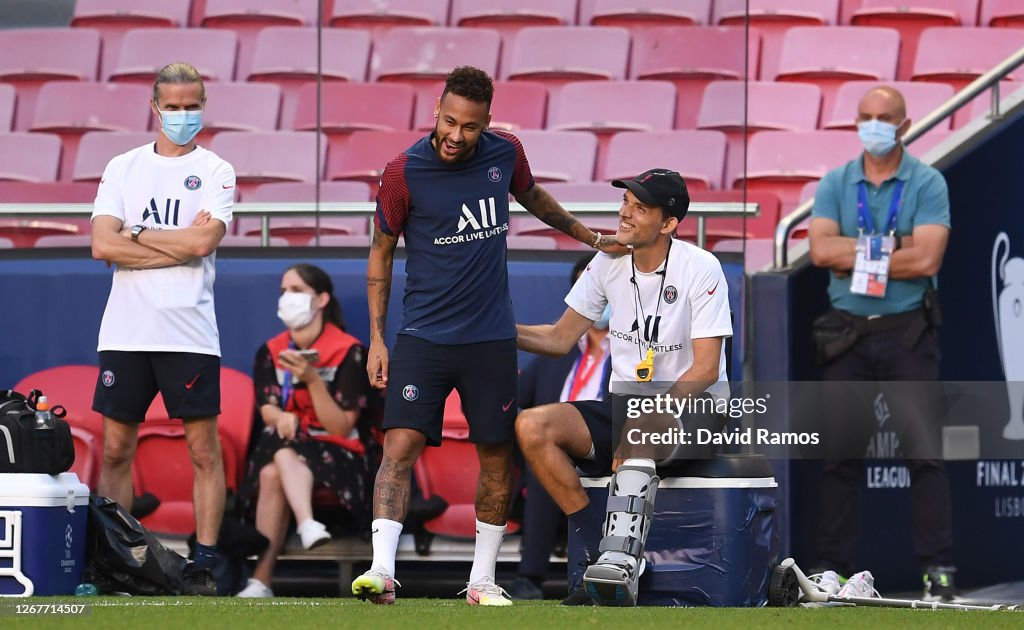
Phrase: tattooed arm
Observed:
(542, 205)
(378, 292)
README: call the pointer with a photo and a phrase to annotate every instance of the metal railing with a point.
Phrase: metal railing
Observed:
(989, 80)
(701, 210)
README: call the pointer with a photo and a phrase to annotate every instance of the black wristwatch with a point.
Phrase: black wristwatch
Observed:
(137, 229)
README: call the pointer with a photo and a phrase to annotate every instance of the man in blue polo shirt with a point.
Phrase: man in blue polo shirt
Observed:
(881, 224)
(448, 194)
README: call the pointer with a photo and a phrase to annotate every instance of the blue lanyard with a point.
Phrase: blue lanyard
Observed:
(286, 387)
(864, 220)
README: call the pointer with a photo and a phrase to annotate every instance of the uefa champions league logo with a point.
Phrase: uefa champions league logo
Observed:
(1008, 308)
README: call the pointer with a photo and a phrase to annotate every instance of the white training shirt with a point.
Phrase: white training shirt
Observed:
(168, 309)
(694, 305)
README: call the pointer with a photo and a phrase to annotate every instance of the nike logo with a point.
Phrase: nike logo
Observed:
(189, 384)
(374, 531)
(712, 291)
(226, 187)
(505, 407)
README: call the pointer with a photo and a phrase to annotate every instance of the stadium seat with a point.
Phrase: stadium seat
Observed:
(361, 241)
(63, 240)
(97, 148)
(347, 107)
(112, 18)
(559, 55)
(637, 15)
(376, 149)
(47, 192)
(29, 157)
(910, 18)
(830, 55)
(1002, 13)
(929, 141)
(715, 230)
(699, 156)
(705, 54)
(581, 192)
(380, 16)
(560, 156)
(287, 56)
(768, 105)
(7, 99)
(71, 386)
(34, 56)
(959, 55)
(606, 107)
(781, 162)
(71, 109)
(87, 456)
(299, 230)
(30, 232)
(237, 405)
(529, 225)
(249, 17)
(145, 50)
(516, 105)
(508, 17)
(921, 98)
(807, 192)
(773, 18)
(847, 9)
(420, 54)
(237, 240)
(542, 243)
(6, 243)
(261, 157)
(239, 107)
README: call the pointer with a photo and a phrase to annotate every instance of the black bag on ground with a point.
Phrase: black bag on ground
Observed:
(123, 556)
(25, 449)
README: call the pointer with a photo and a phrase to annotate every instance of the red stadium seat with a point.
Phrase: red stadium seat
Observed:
(261, 157)
(72, 109)
(580, 192)
(847, 9)
(781, 162)
(637, 15)
(605, 108)
(959, 55)
(288, 57)
(559, 55)
(910, 18)
(716, 230)
(508, 17)
(330, 192)
(831, 55)
(529, 225)
(63, 240)
(71, 386)
(699, 156)
(379, 16)
(921, 98)
(29, 157)
(145, 50)
(7, 93)
(31, 232)
(807, 192)
(420, 55)
(47, 192)
(112, 18)
(929, 141)
(34, 56)
(97, 148)
(560, 156)
(249, 17)
(347, 107)
(88, 451)
(239, 107)
(773, 18)
(1002, 13)
(542, 243)
(299, 230)
(376, 149)
(768, 105)
(516, 105)
(691, 62)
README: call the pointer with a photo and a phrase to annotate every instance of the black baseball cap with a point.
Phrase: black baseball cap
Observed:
(659, 187)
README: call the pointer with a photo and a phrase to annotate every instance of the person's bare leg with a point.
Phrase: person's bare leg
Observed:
(208, 489)
(119, 442)
(392, 488)
(296, 481)
(548, 435)
(271, 521)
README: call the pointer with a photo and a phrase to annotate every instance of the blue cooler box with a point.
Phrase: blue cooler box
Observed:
(714, 538)
(42, 533)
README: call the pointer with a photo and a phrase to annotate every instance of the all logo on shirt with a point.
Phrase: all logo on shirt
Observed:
(170, 215)
(494, 174)
(475, 226)
(192, 182)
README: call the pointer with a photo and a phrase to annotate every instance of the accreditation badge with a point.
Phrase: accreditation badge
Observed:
(871, 267)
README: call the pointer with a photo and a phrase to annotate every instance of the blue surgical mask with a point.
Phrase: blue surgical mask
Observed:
(878, 137)
(606, 316)
(182, 125)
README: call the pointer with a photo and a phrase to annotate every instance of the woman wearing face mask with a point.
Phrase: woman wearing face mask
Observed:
(312, 410)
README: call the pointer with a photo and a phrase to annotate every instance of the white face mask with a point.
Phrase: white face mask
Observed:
(295, 309)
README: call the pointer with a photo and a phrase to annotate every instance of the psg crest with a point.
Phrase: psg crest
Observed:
(192, 182)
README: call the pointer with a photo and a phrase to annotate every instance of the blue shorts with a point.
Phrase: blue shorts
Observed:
(421, 374)
(129, 381)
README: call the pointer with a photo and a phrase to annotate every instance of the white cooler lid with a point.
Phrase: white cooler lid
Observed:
(694, 482)
(39, 490)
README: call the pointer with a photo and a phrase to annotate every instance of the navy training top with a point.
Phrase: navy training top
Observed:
(455, 220)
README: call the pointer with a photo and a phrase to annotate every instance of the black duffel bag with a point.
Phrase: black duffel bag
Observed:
(26, 449)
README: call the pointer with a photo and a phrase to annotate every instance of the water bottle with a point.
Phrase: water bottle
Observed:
(44, 419)
(86, 589)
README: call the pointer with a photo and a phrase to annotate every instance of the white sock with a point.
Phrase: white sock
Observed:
(385, 533)
(485, 554)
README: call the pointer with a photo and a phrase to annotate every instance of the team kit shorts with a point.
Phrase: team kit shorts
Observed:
(129, 381)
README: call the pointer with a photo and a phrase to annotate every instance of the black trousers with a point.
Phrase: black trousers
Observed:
(910, 375)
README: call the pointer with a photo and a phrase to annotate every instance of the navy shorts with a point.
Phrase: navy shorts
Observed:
(129, 381)
(421, 374)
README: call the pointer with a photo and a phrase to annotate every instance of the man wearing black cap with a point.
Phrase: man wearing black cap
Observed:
(670, 317)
